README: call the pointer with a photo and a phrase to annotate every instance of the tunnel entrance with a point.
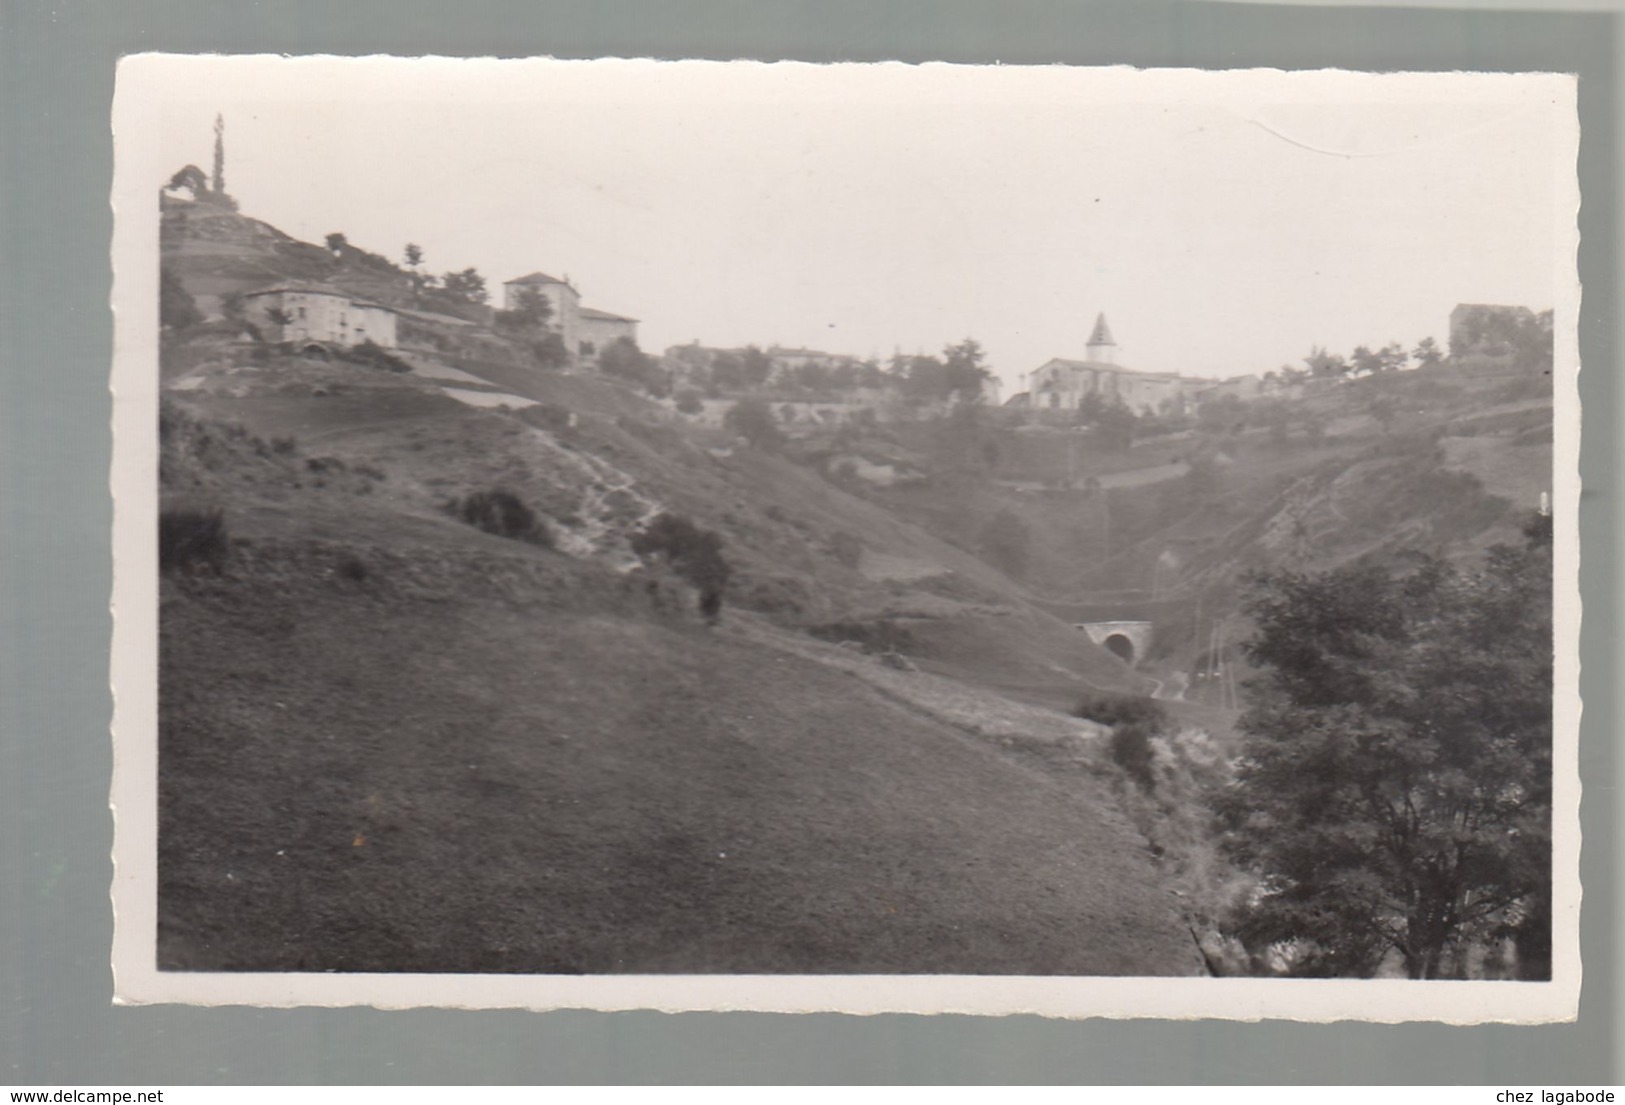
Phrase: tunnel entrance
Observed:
(1126, 640)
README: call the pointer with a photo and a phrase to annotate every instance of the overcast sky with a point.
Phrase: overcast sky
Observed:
(1223, 222)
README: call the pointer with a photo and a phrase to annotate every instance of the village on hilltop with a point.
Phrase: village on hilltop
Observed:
(355, 298)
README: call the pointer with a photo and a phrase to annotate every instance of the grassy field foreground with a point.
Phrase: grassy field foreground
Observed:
(498, 759)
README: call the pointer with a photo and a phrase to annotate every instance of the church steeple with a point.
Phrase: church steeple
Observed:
(1101, 346)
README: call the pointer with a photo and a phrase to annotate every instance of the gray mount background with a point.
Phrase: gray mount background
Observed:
(57, 1026)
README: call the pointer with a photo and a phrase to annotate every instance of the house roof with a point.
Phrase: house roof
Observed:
(310, 288)
(1497, 308)
(604, 316)
(781, 351)
(1068, 362)
(1102, 334)
(1102, 366)
(537, 278)
(306, 286)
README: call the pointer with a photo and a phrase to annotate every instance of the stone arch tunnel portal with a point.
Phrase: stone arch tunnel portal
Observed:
(1128, 641)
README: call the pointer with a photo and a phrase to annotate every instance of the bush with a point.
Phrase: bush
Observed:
(880, 636)
(190, 538)
(623, 359)
(753, 420)
(373, 355)
(503, 514)
(1131, 751)
(548, 351)
(694, 553)
(1134, 721)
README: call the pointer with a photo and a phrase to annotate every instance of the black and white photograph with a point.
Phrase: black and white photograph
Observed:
(867, 537)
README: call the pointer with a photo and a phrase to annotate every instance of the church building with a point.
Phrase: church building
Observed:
(1062, 384)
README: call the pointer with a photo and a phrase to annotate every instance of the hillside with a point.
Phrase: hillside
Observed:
(1445, 461)
(392, 742)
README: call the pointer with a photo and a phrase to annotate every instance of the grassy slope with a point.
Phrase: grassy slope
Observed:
(779, 520)
(482, 757)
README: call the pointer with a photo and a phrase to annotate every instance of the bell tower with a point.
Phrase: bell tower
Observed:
(1102, 349)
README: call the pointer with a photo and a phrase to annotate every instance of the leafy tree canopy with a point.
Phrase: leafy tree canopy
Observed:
(532, 310)
(467, 286)
(623, 359)
(694, 553)
(1395, 788)
(753, 420)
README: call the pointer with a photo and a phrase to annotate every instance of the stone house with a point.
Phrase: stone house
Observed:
(599, 329)
(562, 297)
(585, 331)
(297, 312)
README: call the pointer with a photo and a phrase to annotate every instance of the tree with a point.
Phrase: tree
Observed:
(813, 376)
(1324, 365)
(414, 255)
(1115, 425)
(623, 359)
(467, 286)
(755, 367)
(1392, 357)
(693, 553)
(753, 420)
(1427, 353)
(1532, 343)
(1363, 361)
(727, 372)
(925, 379)
(177, 310)
(192, 179)
(218, 185)
(336, 242)
(532, 310)
(549, 352)
(690, 401)
(1394, 792)
(965, 370)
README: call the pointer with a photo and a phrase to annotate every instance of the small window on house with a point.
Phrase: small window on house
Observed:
(301, 312)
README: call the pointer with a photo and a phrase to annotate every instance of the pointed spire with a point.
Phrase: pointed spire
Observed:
(1102, 349)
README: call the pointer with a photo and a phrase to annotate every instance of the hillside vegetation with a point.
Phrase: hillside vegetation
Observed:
(434, 699)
